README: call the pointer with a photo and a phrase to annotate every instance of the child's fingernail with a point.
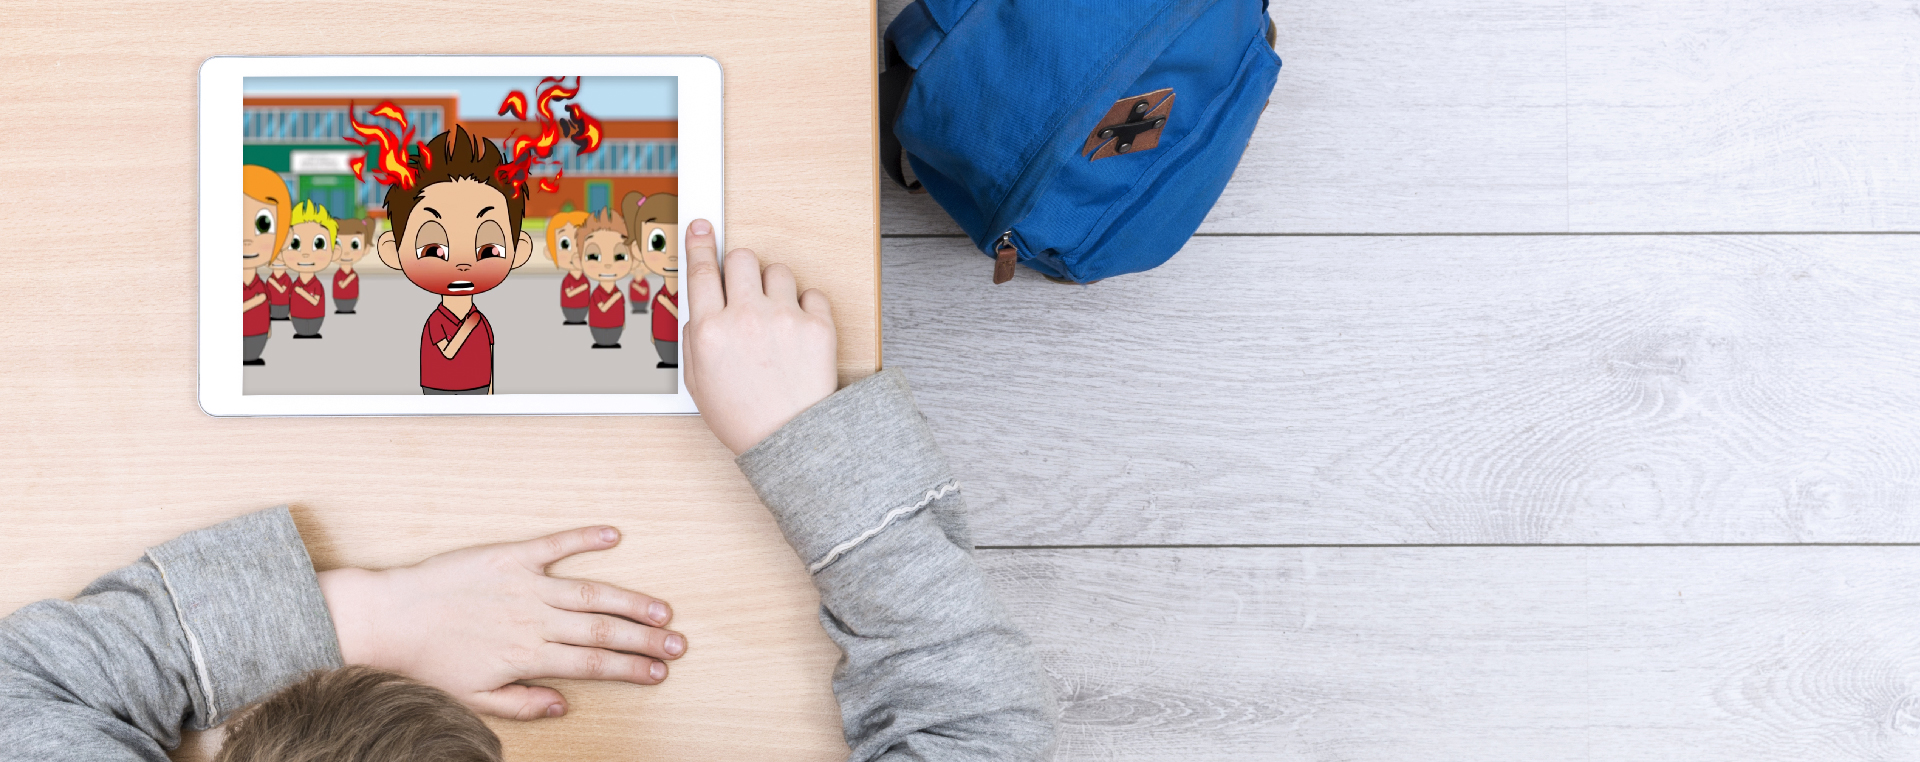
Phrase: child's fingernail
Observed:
(699, 227)
(675, 644)
(556, 710)
(658, 611)
(658, 670)
(609, 534)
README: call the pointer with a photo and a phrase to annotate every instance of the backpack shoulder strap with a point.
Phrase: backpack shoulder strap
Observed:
(893, 96)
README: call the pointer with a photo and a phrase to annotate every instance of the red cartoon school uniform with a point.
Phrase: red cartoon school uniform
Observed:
(575, 307)
(346, 290)
(637, 294)
(255, 321)
(255, 327)
(279, 295)
(666, 328)
(470, 369)
(309, 307)
(607, 317)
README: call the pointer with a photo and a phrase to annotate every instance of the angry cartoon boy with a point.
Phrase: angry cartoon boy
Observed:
(456, 233)
(266, 207)
(309, 250)
(352, 244)
(654, 233)
(605, 259)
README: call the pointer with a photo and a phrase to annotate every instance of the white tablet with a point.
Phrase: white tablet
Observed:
(450, 235)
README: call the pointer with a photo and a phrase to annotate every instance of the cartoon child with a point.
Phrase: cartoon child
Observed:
(638, 290)
(654, 228)
(279, 289)
(353, 243)
(309, 250)
(563, 232)
(265, 206)
(605, 259)
(456, 233)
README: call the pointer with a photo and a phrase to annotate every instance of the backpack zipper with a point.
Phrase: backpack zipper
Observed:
(1004, 257)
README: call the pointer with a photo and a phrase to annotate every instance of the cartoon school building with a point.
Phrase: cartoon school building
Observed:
(304, 139)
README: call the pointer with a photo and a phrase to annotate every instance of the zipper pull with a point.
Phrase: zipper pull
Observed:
(1004, 257)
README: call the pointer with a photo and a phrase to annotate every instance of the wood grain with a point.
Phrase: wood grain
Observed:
(1343, 390)
(1535, 116)
(105, 451)
(1488, 654)
(1751, 115)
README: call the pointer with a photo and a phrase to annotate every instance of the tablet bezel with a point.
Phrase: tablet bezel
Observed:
(701, 195)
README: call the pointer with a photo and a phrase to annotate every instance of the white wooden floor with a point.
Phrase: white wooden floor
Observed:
(1546, 385)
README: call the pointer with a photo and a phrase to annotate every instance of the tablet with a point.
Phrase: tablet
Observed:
(450, 235)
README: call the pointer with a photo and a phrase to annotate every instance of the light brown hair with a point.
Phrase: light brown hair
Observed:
(359, 714)
(640, 209)
(607, 219)
(455, 155)
(353, 227)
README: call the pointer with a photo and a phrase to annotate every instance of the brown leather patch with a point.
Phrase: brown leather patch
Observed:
(1003, 261)
(1131, 126)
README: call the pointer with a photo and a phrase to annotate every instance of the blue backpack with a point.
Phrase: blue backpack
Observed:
(1085, 138)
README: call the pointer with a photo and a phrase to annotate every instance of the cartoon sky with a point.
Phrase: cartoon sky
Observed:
(604, 97)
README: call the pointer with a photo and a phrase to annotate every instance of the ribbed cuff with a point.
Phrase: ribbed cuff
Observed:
(847, 468)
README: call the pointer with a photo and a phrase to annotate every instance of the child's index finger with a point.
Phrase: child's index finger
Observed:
(704, 290)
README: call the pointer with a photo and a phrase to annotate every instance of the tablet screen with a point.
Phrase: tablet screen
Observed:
(460, 235)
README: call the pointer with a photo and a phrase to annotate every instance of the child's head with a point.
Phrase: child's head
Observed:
(267, 206)
(653, 228)
(310, 235)
(603, 247)
(457, 231)
(359, 714)
(563, 232)
(352, 241)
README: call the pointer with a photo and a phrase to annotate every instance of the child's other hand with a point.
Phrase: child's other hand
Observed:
(473, 622)
(757, 353)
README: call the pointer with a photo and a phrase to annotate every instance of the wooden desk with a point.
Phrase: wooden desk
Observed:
(106, 451)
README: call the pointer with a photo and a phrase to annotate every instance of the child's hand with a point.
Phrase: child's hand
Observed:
(757, 354)
(473, 622)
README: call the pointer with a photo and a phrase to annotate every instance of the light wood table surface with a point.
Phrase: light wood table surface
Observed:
(106, 451)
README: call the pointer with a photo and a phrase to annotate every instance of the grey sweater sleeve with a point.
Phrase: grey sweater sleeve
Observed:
(932, 668)
(208, 623)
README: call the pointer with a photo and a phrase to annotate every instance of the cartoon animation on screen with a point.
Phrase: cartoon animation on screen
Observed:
(455, 204)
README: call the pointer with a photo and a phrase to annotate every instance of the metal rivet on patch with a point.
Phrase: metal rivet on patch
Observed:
(1132, 125)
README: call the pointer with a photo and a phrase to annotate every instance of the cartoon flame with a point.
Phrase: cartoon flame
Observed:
(584, 128)
(516, 104)
(559, 91)
(392, 167)
(527, 151)
(514, 173)
(358, 164)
